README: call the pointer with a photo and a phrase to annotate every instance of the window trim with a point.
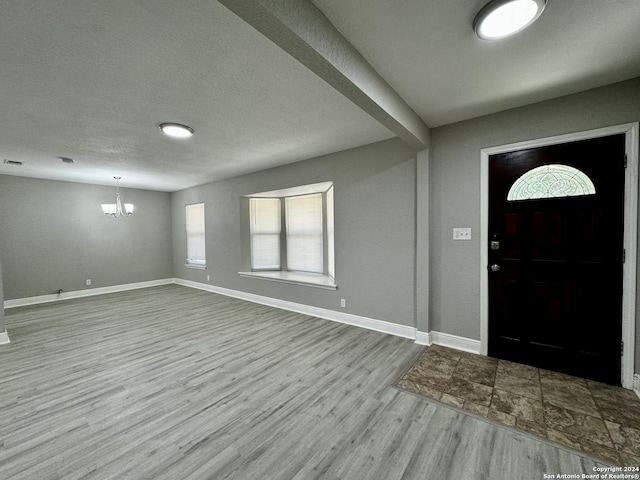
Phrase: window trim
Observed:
(190, 263)
(317, 280)
(326, 279)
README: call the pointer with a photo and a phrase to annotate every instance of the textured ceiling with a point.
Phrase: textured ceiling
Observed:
(92, 80)
(428, 52)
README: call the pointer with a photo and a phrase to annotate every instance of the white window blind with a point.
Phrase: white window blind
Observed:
(330, 235)
(304, 233)
(195, 234)
(265, 233)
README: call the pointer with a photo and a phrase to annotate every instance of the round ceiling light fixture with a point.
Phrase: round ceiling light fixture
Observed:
(176, 130)
(502, 18)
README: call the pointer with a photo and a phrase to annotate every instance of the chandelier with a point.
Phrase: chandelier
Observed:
(115, 209)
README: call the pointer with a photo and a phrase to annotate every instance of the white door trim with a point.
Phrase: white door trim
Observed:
(630, 237)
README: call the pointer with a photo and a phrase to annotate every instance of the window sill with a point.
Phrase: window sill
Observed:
(295, 278)
(195, 267)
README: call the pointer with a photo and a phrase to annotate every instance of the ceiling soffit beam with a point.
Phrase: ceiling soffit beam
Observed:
(302, 30)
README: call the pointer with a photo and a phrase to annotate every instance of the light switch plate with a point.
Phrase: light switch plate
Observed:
(462, 233)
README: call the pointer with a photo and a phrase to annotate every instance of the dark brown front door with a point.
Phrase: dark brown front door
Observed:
(555, 257)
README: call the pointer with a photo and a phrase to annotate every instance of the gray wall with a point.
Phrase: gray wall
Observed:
(455, 188)
(374, 225)
(53, 235)
(2, 326)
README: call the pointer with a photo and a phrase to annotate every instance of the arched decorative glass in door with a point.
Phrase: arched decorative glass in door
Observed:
(551, 181)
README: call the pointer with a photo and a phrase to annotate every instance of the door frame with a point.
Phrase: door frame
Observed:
(630, 235)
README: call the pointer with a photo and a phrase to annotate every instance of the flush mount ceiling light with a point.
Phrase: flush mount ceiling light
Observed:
(115, 209)
(176, 130)
(501, 18)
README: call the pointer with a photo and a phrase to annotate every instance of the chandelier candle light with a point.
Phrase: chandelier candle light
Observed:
(115, 209)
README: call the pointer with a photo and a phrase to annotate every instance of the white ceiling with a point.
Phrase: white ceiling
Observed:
(92, 79)
(427, 51)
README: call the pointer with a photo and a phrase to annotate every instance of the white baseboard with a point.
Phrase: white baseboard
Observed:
(21, 302)
(453, 341)
(420, 338)
(423, 338)
(347, 318)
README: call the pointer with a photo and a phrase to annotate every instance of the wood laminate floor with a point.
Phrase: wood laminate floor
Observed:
(175, 383)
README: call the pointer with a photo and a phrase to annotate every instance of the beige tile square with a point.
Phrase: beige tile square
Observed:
(584, 428)
(432, 378)
(568, 394)
(469, 391)
(563, 439)
(599, 451)
(527, 387)
(618, 413)
(518, 406)
(501, 417)
(549, 375)
(614, 395)
(531, 427)
(478, 373)
(518, 370)
(435, 361)
(476, 409)
(473, 359)
(626, 439)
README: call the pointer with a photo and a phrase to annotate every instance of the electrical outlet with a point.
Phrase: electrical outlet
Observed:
(207, 278)
(462, 233)
(88, 282)
(343, 303)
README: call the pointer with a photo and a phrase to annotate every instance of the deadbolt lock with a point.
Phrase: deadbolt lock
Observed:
(495, 245)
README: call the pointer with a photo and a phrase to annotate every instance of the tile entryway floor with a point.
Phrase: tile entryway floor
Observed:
(592, 417)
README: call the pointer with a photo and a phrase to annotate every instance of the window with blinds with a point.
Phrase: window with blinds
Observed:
(195, 235)
(292, 231)
(304, 233)
(265, 233)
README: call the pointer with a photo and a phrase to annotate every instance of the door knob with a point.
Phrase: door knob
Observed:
(495, 267)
